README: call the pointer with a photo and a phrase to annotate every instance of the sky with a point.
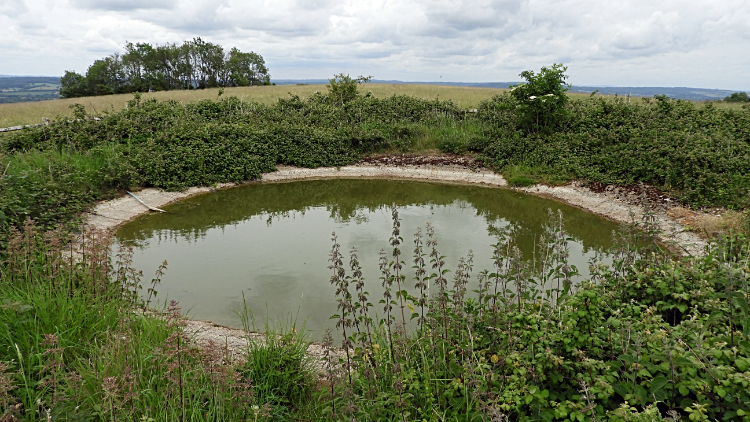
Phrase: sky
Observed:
(694, 43)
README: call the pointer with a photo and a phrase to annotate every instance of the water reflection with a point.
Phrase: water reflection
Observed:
(270, 242)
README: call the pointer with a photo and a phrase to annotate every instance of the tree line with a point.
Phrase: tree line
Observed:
(195, 64)
(738, 97)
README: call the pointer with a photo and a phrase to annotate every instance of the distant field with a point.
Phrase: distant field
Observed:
(22, 89)
(32, 112)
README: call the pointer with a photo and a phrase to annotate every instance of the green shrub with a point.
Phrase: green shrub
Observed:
(540, 102)
(342, 88)
(645, 338)
(697, 154)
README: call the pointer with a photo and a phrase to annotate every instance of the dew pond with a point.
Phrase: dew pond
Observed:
(268, 244)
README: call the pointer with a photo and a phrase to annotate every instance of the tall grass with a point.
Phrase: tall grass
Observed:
(75, 345)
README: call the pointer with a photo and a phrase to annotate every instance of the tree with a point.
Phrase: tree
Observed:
(138, 63)
(540, 102)
(106, 76)
(244, 69)
(738, 97)
(73, 85)
(342, 88)
(172, 67)
(191, 65)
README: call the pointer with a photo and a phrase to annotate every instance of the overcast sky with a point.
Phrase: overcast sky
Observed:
(692, 43)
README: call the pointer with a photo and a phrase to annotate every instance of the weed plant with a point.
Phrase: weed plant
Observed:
(75, 344)
(649, 337)
(645, 338)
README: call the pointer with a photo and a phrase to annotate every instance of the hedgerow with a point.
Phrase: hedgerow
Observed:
(698, 154)
(173, 146)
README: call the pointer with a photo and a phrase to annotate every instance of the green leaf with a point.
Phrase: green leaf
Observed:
(621, 388)
(681, 361)
(658, 383)
(641, 393)
(745, 345)
(626, 358)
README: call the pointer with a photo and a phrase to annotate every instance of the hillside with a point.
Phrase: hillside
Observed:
(18, 89)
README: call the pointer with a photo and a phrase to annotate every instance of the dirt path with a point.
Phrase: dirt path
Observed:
(620, 206)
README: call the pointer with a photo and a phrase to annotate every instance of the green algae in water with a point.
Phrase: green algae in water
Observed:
(270, 243)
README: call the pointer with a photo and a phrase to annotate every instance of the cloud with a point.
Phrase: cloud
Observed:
(13, 8)
(447, 18)
(627, 42)
(124, 5)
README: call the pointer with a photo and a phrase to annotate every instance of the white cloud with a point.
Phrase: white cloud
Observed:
(124, 5)
(632, 42)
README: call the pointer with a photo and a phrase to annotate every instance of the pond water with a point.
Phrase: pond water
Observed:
(267, 245)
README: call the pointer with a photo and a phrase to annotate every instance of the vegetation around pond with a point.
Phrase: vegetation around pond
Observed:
(697, 154)
(648, 331)
(647, 338)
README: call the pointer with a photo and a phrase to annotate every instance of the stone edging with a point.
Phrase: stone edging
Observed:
(111, 214)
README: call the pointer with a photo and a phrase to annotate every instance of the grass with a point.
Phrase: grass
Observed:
(75, 346)
(464, 97)
(32, 112)
(712, 226)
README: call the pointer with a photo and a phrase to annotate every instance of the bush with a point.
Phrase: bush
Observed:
(696, 154)
(54, 173)
(342, 88)
(540, 102)
(738, 97)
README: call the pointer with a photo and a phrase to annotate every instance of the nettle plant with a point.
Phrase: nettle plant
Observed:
(540, 101)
